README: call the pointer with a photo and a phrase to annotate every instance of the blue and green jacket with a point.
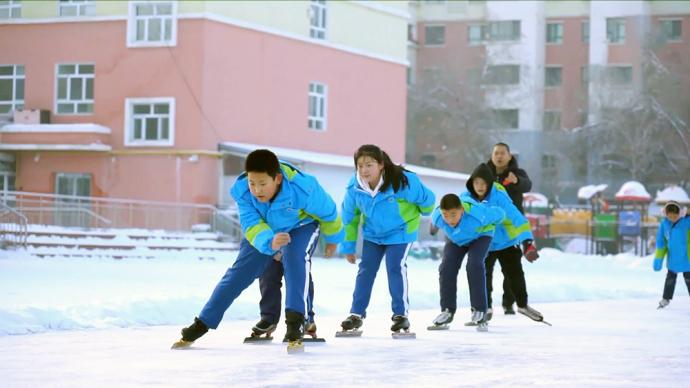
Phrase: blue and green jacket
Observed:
(388, 217)
(299, 201)
(673, 242)
(515, 228)
(477, 220)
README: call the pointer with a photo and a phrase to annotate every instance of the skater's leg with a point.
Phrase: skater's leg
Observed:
(476, 272)
(396, 269)
(490, 263)
(453, 255)
(270, 284)
(508, 295)
(368, 267)
(511, 266)
(297, 265)
(686, 276)
(670, 285)
(249, 265)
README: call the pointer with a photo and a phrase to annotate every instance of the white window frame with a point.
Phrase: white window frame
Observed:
(426, 26)
(82, 7)
(557, 23)
(583, 29)
(132, 19)
(499, 38)
(669, 40)
(483, 28)
(129, 122)
(560, 120)
(318, 19)
(560, 83)
(11, 7)
(625, 31)
(68, 100)
(322, 103)
(14, 103)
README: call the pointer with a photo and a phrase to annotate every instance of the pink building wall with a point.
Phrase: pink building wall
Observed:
(252, 87)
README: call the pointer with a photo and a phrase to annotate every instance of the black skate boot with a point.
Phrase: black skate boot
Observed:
(295, 326)
(261, 332)
(508, 310)
(442, 321)
(401, 327)
(191, 334)
(532, 314)
(350, 327)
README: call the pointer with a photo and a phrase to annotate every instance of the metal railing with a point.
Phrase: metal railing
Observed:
(95, 212)
(13, 227)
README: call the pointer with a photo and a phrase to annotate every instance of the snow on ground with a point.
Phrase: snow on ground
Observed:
(111, 323)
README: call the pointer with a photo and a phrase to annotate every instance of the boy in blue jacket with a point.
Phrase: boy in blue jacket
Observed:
(388, 200)
(506, 242)
(282, 212)
(672, 243)
(469, 227)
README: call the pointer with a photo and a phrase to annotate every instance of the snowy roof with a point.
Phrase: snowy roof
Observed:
(587, 192)
(633, 191)
(535, 200)
(51, 128)
(55, 147)
(673, 193)
(299, 156)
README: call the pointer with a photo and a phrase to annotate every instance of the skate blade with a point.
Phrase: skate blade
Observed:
(546, 323)
(482, 329)
(258, 340)
(471, 323)
(404, 335)
(294, 347)
(348, 333)
(181, 344)
(438, 327)
(309, 339)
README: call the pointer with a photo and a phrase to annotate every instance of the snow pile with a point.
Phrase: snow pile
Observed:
(672, 193)
(587, 192)
(38, 295)
(633, 191)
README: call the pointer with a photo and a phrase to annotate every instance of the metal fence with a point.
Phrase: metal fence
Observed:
(13, 227)
(93, 212)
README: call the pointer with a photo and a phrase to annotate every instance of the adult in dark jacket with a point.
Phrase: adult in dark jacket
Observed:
(506, 171)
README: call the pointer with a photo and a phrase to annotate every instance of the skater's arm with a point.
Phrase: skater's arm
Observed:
(523, 184)
(420, 195)
(661, 248)
(321, 207)
(254, 228)
(351, 217)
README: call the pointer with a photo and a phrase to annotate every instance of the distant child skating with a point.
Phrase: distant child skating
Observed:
(672, 243)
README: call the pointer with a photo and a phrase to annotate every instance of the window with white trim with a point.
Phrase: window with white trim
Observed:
(434, 35)
(554, 33)
(618, 75)
(551, 120)
(317, 106)
(502, 75)
(506, 30)
(150, 121)
(152, 23)
(671, 30)
(77, 7)
(11, 88)
(476, 34)
(506, 118)
(318, 10)
(10, 9)
(552, 76)
(615, 30)
(584, 31)
(75, 83)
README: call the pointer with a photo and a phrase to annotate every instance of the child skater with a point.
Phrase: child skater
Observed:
(672, 243)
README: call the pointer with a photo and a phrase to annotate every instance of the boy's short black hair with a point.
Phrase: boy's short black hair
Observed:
(672, 208)
(502, 144)
(262, 161)
(450, 201)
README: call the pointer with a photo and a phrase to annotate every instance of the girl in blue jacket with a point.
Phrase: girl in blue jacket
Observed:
(387, 201)
(672, 241)
(469, 227)
(282, 212)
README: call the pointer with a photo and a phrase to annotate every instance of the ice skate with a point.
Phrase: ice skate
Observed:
(351, 327)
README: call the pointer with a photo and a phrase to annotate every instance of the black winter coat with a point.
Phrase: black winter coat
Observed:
(515, 191)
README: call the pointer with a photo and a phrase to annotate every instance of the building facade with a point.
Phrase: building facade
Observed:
(544, 68)
(142, 93)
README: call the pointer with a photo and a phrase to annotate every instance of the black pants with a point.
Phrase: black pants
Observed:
(270, 284)
(453, 256)
(514, 285)
(670, 284)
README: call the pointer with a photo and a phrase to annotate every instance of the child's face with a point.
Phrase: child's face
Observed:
(369, 169)
(262, 186)
(452, 216)
(479, 186)
(673, 217)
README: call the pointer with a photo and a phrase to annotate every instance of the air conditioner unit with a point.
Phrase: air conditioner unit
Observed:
(31, 116)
